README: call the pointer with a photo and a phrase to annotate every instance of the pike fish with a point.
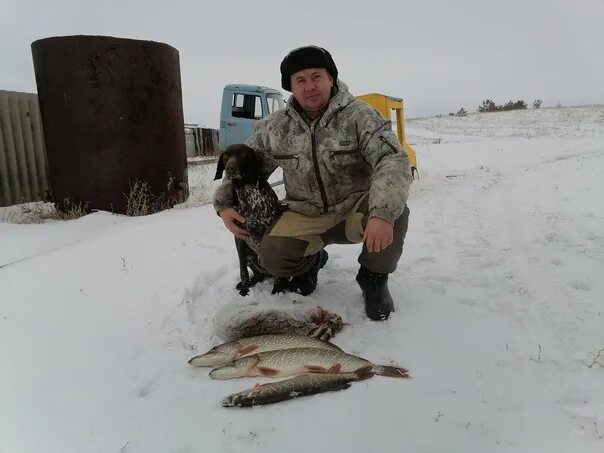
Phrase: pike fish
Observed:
(228, 352)
(303, 385)
(291, 362)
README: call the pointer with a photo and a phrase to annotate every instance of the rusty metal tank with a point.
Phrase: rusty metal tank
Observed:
(112, 116)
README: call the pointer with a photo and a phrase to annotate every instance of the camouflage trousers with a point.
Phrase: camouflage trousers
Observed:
(289, 249)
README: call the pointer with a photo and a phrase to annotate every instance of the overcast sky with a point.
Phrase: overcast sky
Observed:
(439, 55)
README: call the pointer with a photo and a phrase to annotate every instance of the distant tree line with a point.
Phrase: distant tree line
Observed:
(460, 112)
(490, 106)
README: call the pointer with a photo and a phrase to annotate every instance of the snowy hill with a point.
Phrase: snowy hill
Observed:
(578, 122)
(499, 319)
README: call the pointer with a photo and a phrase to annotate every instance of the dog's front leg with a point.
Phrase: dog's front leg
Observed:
(280, 285)
(244, 284)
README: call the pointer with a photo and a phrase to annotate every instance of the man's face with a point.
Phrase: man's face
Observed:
(312, 88)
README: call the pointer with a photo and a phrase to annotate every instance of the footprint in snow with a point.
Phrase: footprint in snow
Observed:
(581, 285)
(425, 259)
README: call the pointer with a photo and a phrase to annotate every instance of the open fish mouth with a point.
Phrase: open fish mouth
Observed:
(240, 368)
(211, 359)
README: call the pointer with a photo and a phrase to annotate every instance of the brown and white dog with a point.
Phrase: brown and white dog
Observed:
(256, 201)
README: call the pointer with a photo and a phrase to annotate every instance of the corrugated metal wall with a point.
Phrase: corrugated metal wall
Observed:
(23, 162)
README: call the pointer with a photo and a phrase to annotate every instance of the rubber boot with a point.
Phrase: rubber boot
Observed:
(306, 283)
(378, 301)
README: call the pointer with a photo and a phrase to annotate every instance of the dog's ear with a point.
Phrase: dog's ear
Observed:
(259, 175)
(219, 167)
(256, 165)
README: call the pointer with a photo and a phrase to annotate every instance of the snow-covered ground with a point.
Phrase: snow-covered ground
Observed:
(499, 318)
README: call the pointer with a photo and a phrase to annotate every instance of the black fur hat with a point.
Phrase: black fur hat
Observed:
(304, 58)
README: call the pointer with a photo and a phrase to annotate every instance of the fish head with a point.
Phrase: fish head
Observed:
(239, 368)
(241, 399)
(218, 355)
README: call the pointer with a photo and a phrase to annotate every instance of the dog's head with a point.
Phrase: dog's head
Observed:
(238, 162)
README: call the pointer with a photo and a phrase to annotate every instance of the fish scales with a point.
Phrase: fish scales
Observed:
(303, 385)
(325, 358)
(276, 342)
(289, 362)
(228, 352)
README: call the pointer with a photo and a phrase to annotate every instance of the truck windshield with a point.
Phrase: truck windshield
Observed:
(274, 101)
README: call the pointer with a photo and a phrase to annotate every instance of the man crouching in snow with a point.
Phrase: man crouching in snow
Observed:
(346, 181)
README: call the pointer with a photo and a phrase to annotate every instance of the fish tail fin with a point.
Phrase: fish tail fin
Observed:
(391, 371)
(365, 372)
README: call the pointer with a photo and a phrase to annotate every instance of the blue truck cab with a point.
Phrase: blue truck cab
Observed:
(242, 106)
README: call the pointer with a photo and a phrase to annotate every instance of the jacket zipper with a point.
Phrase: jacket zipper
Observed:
(316, 165)
(389, 144)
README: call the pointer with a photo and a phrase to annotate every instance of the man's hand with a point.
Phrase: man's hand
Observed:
(232, 220)
(378, 234)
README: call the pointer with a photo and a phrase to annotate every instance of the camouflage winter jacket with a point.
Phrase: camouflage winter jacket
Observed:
(328, 165)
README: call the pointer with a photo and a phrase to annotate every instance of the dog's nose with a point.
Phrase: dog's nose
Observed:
(231, 166)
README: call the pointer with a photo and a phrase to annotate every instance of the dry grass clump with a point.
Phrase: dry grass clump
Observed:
(142, 201)
(40, 212)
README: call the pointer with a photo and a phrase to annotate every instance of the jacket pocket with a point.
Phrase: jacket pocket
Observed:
(287, 160)
(344, 152)
(343, 160)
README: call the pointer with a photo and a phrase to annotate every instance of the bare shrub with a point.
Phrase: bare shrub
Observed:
(141, 200)
(71, 209)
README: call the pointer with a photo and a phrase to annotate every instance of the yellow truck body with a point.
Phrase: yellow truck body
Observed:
(385, 105)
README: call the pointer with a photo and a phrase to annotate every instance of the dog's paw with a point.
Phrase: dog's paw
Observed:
(243, 288)
(280, 285)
